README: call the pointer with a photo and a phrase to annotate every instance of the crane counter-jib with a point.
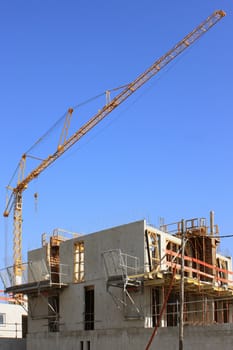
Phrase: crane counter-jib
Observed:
(15, 200)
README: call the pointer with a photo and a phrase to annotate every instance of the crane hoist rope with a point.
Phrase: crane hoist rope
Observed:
(15, 200)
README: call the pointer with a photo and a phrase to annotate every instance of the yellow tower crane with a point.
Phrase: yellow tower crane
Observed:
(15, 200)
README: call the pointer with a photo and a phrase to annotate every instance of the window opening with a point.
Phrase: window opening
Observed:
(2, 319)
(221, 311)
(79, 262)
(153, 241)
(53, 313)
(54, 263)
(24, 326)
(89, 320)
(155, 305)
(172, 310)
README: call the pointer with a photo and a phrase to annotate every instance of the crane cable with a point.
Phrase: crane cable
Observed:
(74, 107)
(57, 123)
(162, 310)
(80, 105)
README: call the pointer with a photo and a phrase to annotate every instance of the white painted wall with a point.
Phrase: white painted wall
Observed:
(13, 321)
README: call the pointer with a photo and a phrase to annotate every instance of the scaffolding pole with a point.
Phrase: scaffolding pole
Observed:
(181, 323)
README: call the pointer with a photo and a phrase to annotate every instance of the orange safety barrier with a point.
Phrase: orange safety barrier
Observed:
(6, 298)
(200, 262)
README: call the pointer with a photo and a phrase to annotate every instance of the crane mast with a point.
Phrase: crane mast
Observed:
(15, 200)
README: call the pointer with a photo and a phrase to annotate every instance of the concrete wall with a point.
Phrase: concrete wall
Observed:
(12, 344)
(130, 239)
(195, 338)
(112, 329)
(38, 307)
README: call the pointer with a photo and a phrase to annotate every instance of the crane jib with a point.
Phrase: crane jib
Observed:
(15, 200)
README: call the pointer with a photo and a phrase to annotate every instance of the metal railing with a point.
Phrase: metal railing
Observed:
(11, 330)
(203, 311)
(200, 270)
(35, 272)
(120, 264)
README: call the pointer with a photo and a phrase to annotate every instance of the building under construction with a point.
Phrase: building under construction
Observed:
(108, 288)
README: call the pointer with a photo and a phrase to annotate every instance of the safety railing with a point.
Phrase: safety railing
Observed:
(202, 311)
(34, 272)
(11, 330)
(202, 271)
(120, 264)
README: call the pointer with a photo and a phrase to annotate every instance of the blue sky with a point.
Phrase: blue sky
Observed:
(166, 152)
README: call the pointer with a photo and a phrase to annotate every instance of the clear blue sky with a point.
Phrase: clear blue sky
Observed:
(166, 152)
